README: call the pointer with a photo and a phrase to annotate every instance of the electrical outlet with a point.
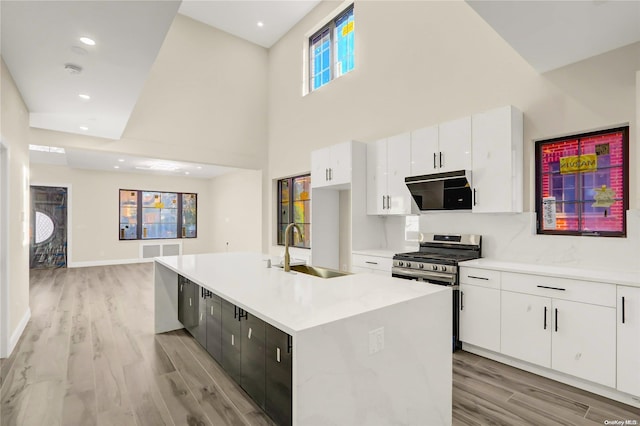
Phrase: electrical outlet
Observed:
(376, 340)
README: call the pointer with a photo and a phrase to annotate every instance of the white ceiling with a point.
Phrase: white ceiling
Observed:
(39, 37)
(241, 18)
(552, 34)
(123, 163)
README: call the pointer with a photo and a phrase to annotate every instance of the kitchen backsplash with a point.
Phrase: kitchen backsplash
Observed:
(512, 237)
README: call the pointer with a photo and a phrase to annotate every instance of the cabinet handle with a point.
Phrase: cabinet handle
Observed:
(190, 302)
(388, 202)
(212, 311)
(556, 320)
(278, 354)
(289, 344)
(249, 334)
(233, 340)
(200, 316)
(551, 288)
(462, 300)
(474, 197)
(330, 173)
(478, 278)
(623, 309)
(434, 161)
(440, 159)
(181, 285)
(545, 317)
(383, 200)
(370, 263)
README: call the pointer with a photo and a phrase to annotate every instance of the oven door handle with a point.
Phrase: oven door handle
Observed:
(451, 279)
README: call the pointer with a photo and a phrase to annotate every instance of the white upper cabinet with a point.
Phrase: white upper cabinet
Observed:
(628, 328)
(441, 148)
(497, 160)
(424, 151)
(454, 138)
(331, 166)
(388, 163)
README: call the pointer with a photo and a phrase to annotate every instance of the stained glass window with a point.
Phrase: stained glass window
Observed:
(331, 50)
(147, 215)
(294, 205)
(582, 184)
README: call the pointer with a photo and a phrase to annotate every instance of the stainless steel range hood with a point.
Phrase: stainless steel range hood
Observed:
(441, 191)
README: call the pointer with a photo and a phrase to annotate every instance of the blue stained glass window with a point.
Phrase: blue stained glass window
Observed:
(331, 50)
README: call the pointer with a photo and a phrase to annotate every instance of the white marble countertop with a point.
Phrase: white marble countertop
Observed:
(628, 277)
(288, 300)
(387, 252)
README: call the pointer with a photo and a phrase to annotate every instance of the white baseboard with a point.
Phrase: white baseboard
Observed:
(17, 333)
(556, 375)
(88, 263)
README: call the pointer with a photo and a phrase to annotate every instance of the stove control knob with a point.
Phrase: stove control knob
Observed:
(443, 268)
(421, 265)
(408, 265)
(434, 267)
(401, 263)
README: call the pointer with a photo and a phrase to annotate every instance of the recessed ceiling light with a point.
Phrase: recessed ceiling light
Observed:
(84, 128)
(121, 160)
(116, 167)
(186, 173)
(199, 167)
(88, 41)
(260, 24)
(84, 96)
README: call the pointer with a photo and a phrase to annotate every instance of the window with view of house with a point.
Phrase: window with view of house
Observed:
(582, 184)
(331, 50)
(294, 206)
(148, 215)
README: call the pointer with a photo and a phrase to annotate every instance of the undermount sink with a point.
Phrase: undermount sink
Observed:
(317, 271)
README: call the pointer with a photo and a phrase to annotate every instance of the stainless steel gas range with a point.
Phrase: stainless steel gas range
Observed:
(437, 263)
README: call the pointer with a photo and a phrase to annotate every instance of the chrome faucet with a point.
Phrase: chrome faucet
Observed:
(287, 258)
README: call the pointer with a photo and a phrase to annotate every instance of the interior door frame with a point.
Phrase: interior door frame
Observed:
(4, 250)
(69, 264)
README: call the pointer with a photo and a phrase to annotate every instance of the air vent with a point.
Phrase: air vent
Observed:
(72, 68)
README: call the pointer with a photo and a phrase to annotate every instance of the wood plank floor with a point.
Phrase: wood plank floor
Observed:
(89, 357)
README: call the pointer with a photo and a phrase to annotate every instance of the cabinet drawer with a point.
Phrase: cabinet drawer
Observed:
(561, 288)
(480, 277)
(372, 262)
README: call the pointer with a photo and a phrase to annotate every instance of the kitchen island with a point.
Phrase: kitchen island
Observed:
(365, 349)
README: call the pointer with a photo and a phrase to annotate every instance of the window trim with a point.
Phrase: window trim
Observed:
(139, 207)
(329, 23)
(624, 129)
(291, 212)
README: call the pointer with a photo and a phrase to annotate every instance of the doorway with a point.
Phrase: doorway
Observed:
(48, 241)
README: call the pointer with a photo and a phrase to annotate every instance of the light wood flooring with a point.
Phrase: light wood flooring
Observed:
(89, 357)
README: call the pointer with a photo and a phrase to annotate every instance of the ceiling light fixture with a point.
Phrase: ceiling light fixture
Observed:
(72, 68)
(84, 128)
(260, 24)
(186, 173)
(88, 41)
(121, 160)
(199, 167)
(84, 96)
(116, 167)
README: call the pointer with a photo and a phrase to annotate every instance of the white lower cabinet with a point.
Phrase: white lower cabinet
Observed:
(480, 316)
(628, 333)
(583, 343)
(371, 264)
(525, 327)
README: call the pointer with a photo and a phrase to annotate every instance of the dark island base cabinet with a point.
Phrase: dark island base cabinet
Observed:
(231, 341)
(214, 327)
(255, 354)
(252, 357)
(278, 351)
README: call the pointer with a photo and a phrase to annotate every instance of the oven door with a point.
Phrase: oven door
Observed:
(431, 277)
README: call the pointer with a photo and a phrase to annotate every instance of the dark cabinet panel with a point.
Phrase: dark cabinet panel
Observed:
(278, 350)
(199, 331)
(231, 340)
(252, 357)
(187, 304)
(214, 327)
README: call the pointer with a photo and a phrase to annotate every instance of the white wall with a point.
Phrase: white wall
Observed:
(14, 282)
(93, 211)
(236, 211)
(441, 61)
